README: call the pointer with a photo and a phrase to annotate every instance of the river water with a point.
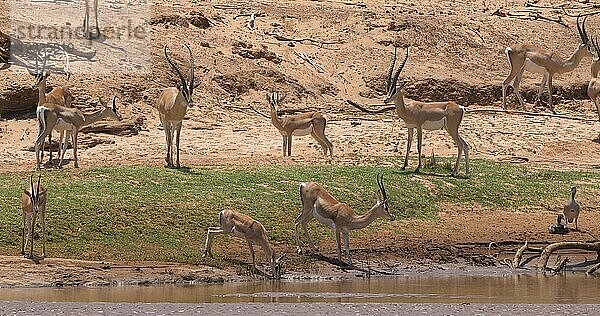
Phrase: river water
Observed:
(523, 288)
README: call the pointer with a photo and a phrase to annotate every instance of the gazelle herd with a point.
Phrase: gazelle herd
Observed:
(54, 112)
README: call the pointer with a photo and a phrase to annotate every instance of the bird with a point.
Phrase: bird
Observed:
(572, 208)
(559, 227)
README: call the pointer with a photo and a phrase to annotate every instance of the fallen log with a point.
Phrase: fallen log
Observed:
(545, 256)
(119, 128)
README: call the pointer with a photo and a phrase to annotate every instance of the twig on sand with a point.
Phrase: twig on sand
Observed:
(562, 116)
(311, 60)
(312, 41)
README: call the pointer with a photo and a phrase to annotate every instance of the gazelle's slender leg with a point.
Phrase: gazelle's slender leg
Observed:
(252, 253)
(49, 147)
(284, 145)
(419, 145)
(43, 219)
(541, 89)
(32, 227)
(467, 161)
(514, 72)
(86, 21)
(76, 164)
(517, 88)
(96, 14)
(289, 145)
(338, 243)
(24, 232)
(347, 244)
(408, 144)
(460, 145)
(178, 132)
(550, 94)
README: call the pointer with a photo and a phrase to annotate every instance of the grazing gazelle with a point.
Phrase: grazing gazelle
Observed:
(240, 225)
(73, 119)
(34, 206)
(538, 60)
(172, 105)
(302, 124)
(572, 208)
(426, 115)
(319, 204)
(594, 85)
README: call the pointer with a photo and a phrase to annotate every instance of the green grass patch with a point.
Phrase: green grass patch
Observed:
(149, 213)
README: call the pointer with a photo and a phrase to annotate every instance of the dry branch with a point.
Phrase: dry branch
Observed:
(252, 17)
(312, 41)
(543, 260)
(363, 109)
(518, 255)
(562, 116)
(311, 61)
(593, 268)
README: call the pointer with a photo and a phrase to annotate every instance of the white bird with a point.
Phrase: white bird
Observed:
(572, 208)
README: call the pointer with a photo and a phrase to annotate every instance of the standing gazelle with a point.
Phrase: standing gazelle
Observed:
(34, 206)
(60, 95)
(426, 115)
(532, 58)
(302, 124)
(73, 119)
(172, 105)
(243, 226)
(319, 204)
(594, 85)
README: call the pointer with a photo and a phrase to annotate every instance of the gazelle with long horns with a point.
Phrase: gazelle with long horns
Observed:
(426, 115)
(593, 89)
(60, 95)
(302, 124)
(243, 226)
(34, 206)
(535, 59)
(172, 106)
(319, 204)
(50, 115)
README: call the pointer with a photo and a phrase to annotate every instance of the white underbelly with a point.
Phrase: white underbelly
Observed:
(431, 125)
(325, 221)
(533, 67)
(303, 132)
(61, 125)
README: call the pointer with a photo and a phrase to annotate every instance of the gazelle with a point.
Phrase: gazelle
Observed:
(243, 226)
(302, 124)
(60, 95)
(50, 115)
(172, 105)
(426, 115)
(532, 58)
(34, 206)
(319, 204)
(594, 85)
(87, 33)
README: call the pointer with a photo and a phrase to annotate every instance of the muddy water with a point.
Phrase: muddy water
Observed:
(569, 288)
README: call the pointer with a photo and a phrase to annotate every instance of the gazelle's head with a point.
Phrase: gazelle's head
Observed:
(382, 200)
(393, 91)
(36, 194)
(186, 87)
(274, 99)
(585, 45)
(278, 266)
(41, 75)
(111, 111)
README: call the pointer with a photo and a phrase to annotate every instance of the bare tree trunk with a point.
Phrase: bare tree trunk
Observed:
(543, 260)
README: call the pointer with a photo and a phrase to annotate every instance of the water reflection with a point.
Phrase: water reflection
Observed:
(567, 288)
